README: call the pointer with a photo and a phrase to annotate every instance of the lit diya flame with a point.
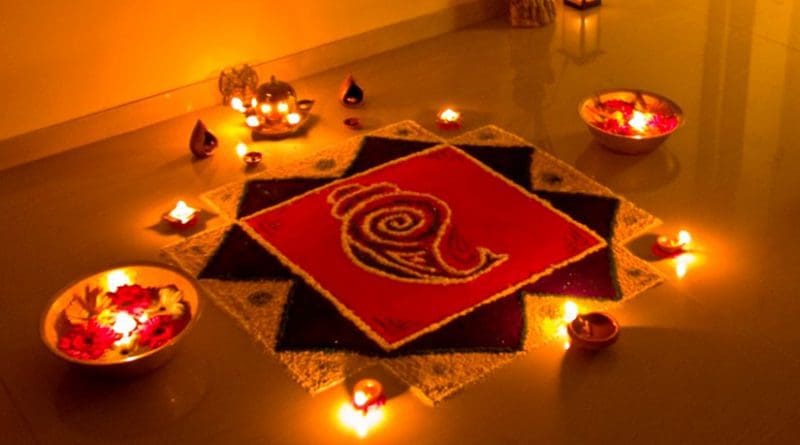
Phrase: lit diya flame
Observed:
(116, 279)
(368, 395)
(182, 216)
(682, 263)
(571, 312)
(238, 104)
(364, 410)
(360, 422)
(672, 246)
(449, 119)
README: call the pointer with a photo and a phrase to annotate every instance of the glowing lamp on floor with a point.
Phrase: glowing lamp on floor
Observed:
(250, 158)
(674, 245)
(582, 4)
(182, 216)
(593, 331)
(368, 395)
(448, 119)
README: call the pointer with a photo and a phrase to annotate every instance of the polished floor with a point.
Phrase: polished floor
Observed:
(712, 356)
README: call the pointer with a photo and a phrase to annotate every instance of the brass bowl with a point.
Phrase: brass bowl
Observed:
(633, 144)
(145, 274)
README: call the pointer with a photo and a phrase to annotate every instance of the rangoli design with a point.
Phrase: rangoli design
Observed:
(385, 260)
(406, 235)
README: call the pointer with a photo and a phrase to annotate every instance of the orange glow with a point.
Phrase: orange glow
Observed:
(449, 115)
(283, 107)
(640, 120)
(293, 118)
(684, 237)
(238, 105)
(241, 149)
(116, 279)
(570, 311)
(359, 422)
(182, 212)
(682, 264)
(252, 121)
(266, 108)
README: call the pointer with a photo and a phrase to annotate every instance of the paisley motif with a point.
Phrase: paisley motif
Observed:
(406, 235)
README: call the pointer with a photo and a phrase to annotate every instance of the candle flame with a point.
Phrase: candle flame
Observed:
(360, 422)
(124, 323)
(116, 279)
(253, 102)
(293, 118)
(640, 120)
(449, 115)
(360, 398)
(283, 107)
(252, 121)
(570, 311)
(266, 108)
(684, 237)
(241, 149)
(237, 104)
(182, 212)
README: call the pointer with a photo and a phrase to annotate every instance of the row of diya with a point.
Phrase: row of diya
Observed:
(128, 313)
(129, 320)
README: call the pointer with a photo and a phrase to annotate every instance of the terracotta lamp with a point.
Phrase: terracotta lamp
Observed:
(593, 331)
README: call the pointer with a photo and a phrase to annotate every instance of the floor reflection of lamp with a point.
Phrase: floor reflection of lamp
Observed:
(580, 35)
(582, 4)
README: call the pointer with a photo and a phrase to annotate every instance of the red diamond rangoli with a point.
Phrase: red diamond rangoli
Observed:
(412, 244)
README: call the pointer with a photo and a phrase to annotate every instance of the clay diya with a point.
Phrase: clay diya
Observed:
(593, 331)
(368, 395)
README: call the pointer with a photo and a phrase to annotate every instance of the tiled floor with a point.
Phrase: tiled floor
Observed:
(709, 358)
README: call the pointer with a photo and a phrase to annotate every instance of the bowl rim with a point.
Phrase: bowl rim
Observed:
(155, 264)
(672, 104)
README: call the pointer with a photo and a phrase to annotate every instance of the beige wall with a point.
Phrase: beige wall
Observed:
(65, 59)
